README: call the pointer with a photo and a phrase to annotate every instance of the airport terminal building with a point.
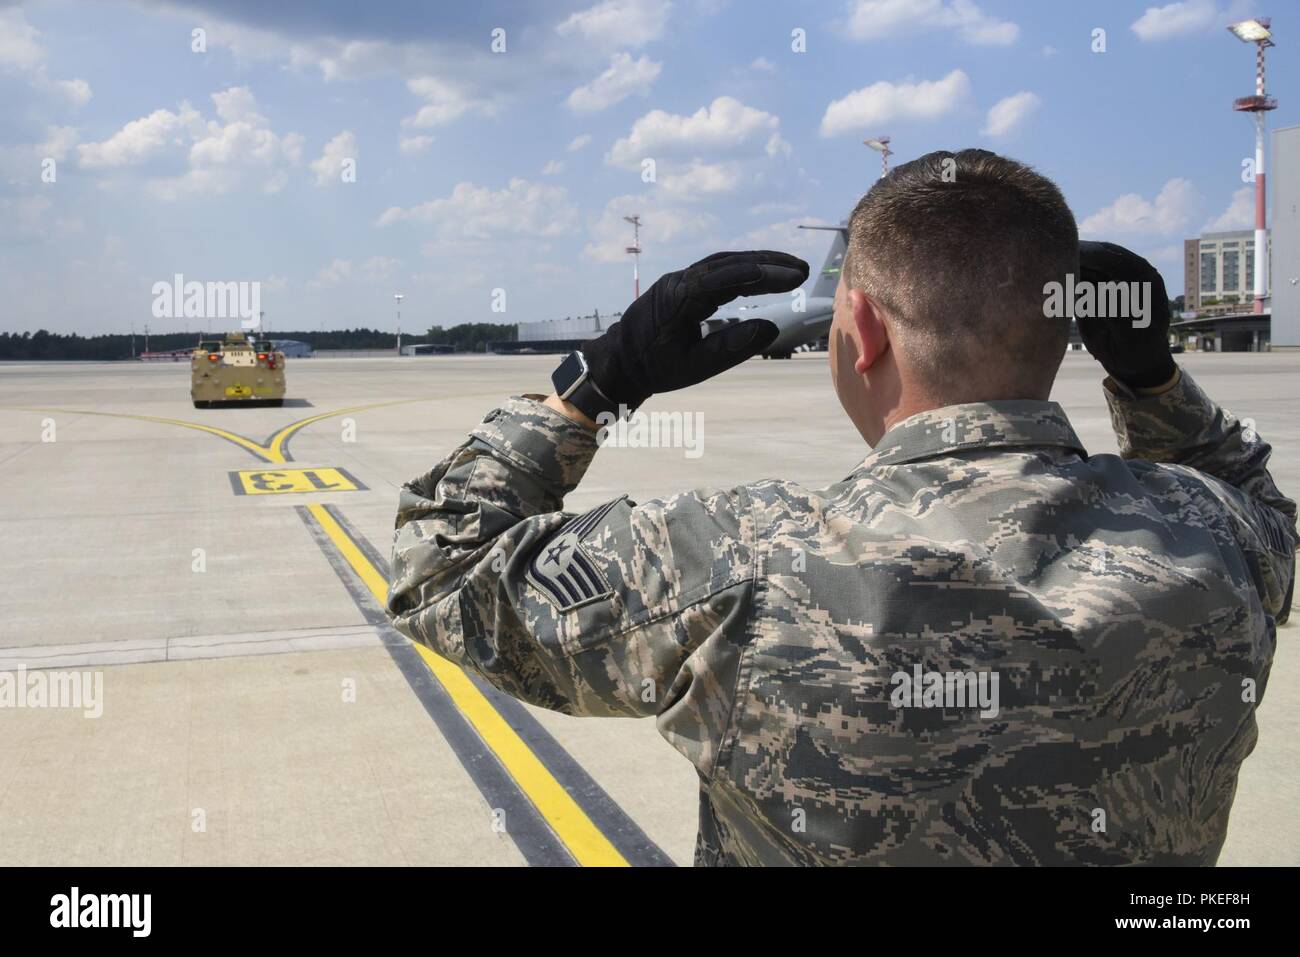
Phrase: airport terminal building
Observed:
(557, 335)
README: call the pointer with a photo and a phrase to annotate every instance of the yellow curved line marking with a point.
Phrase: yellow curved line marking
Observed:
(239, 440)
(274, 449)
(261, 451)
(585, 841)
(272, 452)
(572, 826)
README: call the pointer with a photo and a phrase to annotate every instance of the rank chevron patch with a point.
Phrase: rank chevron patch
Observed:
(562, 571)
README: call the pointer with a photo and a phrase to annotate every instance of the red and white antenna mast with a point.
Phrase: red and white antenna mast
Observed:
(1257, 31)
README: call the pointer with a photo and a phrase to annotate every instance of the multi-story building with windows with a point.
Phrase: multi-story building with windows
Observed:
(1219, 272)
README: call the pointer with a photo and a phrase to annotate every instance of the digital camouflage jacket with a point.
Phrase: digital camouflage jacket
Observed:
(983, 646)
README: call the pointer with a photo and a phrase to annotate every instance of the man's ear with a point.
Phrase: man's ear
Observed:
(872, 332)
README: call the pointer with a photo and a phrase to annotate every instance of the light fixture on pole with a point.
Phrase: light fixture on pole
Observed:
(399, 297)
(635, 252)
(881, 145)
(1257, 31)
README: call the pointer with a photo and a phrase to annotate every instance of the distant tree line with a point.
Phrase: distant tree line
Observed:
(467, 337)
(470, 336)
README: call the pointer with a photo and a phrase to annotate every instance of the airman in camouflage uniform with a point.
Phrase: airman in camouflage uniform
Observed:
(1126, 606)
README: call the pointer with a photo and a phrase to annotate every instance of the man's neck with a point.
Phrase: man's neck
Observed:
(909, 406)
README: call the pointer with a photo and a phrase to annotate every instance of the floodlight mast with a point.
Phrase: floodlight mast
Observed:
(1257, 31)
(881, 145)
(635, 252)
(399, 297)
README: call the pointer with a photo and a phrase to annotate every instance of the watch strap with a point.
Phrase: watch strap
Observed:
(591, 401)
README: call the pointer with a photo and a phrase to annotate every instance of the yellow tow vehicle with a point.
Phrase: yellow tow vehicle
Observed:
(237, 370)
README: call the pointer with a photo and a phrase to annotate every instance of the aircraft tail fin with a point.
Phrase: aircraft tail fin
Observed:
(829, 277)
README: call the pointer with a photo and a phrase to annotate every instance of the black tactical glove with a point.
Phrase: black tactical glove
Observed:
(656, 345)
(1137, 357)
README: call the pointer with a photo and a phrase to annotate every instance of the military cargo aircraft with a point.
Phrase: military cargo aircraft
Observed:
(800, 321)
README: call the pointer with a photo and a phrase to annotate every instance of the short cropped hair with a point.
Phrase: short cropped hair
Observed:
(957, 248)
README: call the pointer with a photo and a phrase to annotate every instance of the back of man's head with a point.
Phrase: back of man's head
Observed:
(957, 247)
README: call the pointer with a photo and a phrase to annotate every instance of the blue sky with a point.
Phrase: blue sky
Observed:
(479, 170)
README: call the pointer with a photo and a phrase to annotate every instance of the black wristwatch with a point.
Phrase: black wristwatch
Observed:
(572, 382)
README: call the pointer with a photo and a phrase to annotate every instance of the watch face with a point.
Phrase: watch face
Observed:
(569, 374)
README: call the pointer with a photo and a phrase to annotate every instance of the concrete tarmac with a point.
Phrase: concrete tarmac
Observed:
(219, 570)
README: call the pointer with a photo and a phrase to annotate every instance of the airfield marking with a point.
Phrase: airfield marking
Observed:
(274, 450)
(581, 837)
(588, 845)
(290, 481)
(247, 445)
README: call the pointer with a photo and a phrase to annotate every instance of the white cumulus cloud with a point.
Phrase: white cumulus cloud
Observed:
(623, 78)
(20, 47)
(411, 145)
(444, 102)
(696, 179)
(238, 104)
(1175, 19)
(1134, 215)
(1007, 114)
(142, 139)
(618, 23)
(22, 54)
(724, 125)
(884, 102)
(1240, 213)
(522, 208)
(58, 141)
(220, 155)
(877, 19)
(76, 92)
(328, 168)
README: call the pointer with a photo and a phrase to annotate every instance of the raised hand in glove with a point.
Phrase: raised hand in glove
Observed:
(1137, 356)
(656, 345)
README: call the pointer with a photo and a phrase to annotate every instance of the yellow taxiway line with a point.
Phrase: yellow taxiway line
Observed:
(566, 818)
(257, 449)
(570, 823)
(272, 451)
(274, 448)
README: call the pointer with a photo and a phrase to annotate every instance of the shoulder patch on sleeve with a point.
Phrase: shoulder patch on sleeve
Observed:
(563, 571)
